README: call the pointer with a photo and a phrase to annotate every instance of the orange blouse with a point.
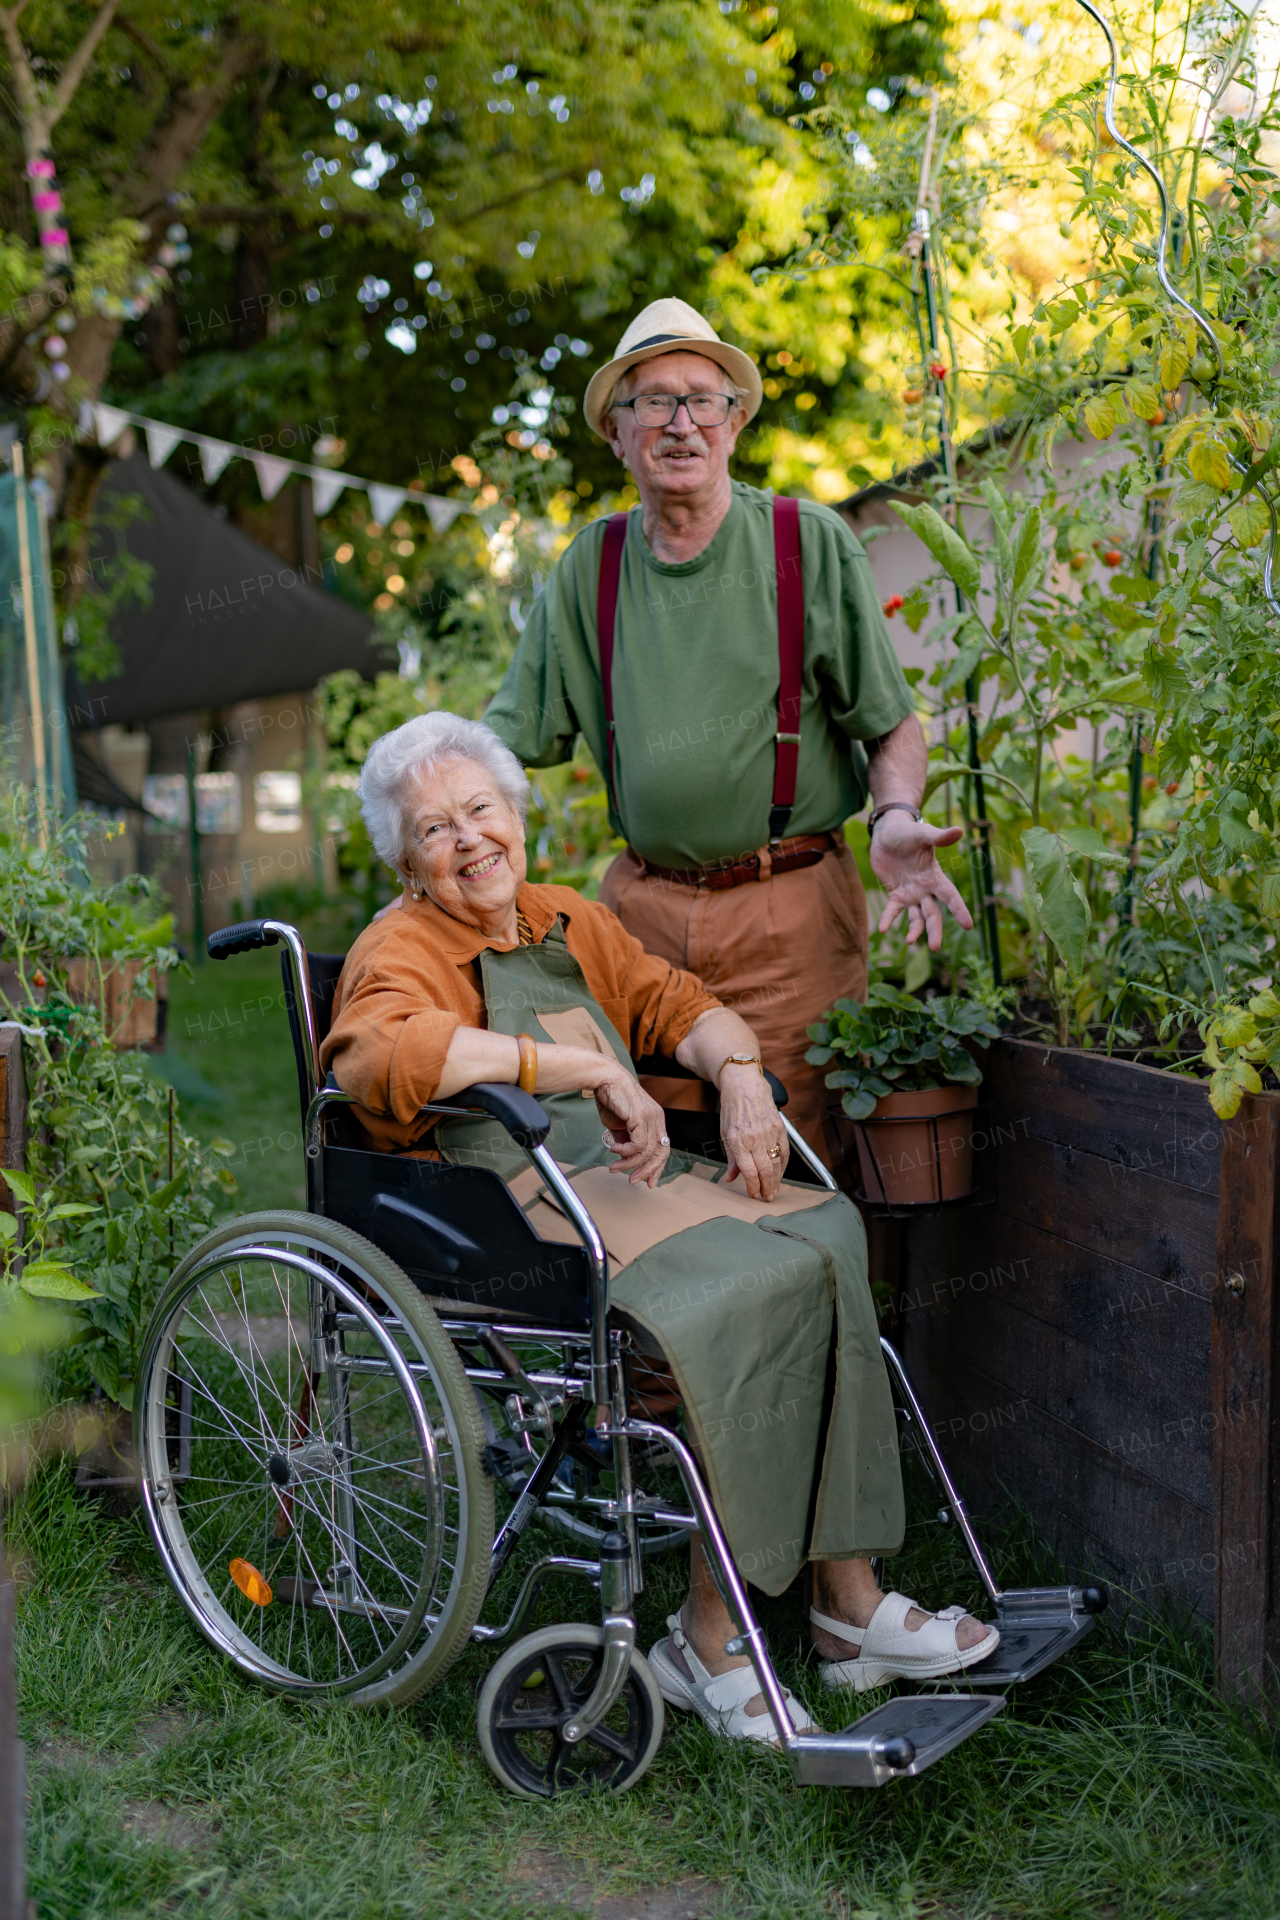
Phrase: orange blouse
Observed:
(413, 978)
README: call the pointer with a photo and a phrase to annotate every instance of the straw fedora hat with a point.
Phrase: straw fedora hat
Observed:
(669, 326)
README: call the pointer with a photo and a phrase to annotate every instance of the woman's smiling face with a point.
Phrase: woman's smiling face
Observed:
(466, 844)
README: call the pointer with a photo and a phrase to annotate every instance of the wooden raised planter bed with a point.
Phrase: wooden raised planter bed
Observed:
(1102, 1339)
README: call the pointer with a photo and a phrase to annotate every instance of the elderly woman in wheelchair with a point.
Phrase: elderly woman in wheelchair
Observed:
(344, 1469)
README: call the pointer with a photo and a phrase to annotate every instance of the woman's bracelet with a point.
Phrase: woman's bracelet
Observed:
(528, 1078)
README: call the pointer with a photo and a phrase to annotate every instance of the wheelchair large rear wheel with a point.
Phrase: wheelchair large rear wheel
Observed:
(329, 1523)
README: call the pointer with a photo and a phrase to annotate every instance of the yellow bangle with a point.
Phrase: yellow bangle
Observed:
(528, 1077)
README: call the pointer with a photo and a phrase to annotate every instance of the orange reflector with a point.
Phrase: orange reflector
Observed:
(250, 1582)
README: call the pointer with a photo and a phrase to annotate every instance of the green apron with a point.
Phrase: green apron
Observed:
(767, 1322)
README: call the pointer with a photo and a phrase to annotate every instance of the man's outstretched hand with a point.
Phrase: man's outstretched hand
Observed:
(904, 856)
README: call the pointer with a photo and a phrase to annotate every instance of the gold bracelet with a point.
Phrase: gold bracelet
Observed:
(528, 1077)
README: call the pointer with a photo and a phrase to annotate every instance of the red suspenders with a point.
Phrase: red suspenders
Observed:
(786, 546)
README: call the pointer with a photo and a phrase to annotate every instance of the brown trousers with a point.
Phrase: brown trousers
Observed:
(779, 952)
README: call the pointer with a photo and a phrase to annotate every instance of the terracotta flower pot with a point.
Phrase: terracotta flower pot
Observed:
(917, 1148)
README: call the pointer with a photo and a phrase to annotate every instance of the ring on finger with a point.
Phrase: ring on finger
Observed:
(664, 1139)
(775, 1153)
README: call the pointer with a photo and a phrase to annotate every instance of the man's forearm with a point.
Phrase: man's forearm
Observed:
(897, 764)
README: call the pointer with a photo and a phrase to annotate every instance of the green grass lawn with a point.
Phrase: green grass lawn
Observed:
(161, 1783)
(1115, 1785)
(229, 1056)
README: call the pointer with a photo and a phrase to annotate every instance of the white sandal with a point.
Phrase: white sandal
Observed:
(889, 1650)
(719, 1699)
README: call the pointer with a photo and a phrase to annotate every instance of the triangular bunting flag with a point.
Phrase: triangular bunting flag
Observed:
(442, 511)
(161, 442)
(325, 488)
(110, 423)
(385, 502)
(272, 473)
(214, 455)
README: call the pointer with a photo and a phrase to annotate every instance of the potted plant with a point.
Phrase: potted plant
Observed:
(909, 1083)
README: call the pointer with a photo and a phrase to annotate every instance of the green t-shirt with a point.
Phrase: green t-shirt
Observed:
(695, 681)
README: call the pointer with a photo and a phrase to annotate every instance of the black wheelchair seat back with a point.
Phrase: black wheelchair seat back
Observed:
(456, 1231)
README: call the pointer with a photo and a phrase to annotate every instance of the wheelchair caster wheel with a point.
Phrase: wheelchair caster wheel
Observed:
(534, 1688)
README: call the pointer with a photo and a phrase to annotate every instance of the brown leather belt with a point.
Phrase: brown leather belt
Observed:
(803, 850)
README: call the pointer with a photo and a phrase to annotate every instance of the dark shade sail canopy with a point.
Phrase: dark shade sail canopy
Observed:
(228, 619)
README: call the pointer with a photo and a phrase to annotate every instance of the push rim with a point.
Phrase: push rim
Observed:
(337, 1488)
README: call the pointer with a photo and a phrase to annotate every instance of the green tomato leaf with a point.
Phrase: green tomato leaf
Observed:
(1235, 1027)
(944, 543)
(1208, 463)
(8, 1227)
(1030, 550)
(1250, 521)
(1104, 412)
(21, 1185)
(1061, 908)
(1130, 690)
(1225, 1094)
(1089, 843)
(71, 1211)
(1232, 815)
(164, 1196)
(1143, 398)
(50, 1280)
(1173, 364)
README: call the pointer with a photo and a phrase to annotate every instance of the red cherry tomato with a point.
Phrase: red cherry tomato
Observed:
(1112, 557)
(938, 370)
(887, 608)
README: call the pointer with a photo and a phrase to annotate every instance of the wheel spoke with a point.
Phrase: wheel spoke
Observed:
(612, 1743)
(387, 1506)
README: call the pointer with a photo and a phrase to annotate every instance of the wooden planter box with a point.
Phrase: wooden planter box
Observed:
(130, 1022)
(1102, 1339)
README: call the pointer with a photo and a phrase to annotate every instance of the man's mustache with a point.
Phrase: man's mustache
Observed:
(681, 442)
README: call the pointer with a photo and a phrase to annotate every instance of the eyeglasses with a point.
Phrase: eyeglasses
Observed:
(660, 409)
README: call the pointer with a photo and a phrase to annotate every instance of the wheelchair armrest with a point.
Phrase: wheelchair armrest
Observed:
(526, 1122)
(245, 935)
(656, 1066)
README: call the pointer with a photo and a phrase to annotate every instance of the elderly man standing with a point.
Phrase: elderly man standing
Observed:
(724, 654)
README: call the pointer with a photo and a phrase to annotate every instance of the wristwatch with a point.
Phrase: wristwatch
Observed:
(893, 806)
(739, 1060)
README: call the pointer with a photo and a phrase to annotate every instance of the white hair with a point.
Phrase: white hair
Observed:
(418, 747)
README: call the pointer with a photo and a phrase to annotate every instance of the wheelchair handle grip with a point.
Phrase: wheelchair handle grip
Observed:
(242, 938)
(517, 1111)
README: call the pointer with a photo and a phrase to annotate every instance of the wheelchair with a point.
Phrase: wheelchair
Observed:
(350, 1417)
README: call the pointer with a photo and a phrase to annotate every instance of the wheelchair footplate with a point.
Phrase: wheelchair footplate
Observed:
(1037, 1626)
(892, 1742)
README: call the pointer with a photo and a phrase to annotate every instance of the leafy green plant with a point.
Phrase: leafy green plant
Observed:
(1128, 589)
(116, 1190)
(27, 1263)
(895, 1043)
